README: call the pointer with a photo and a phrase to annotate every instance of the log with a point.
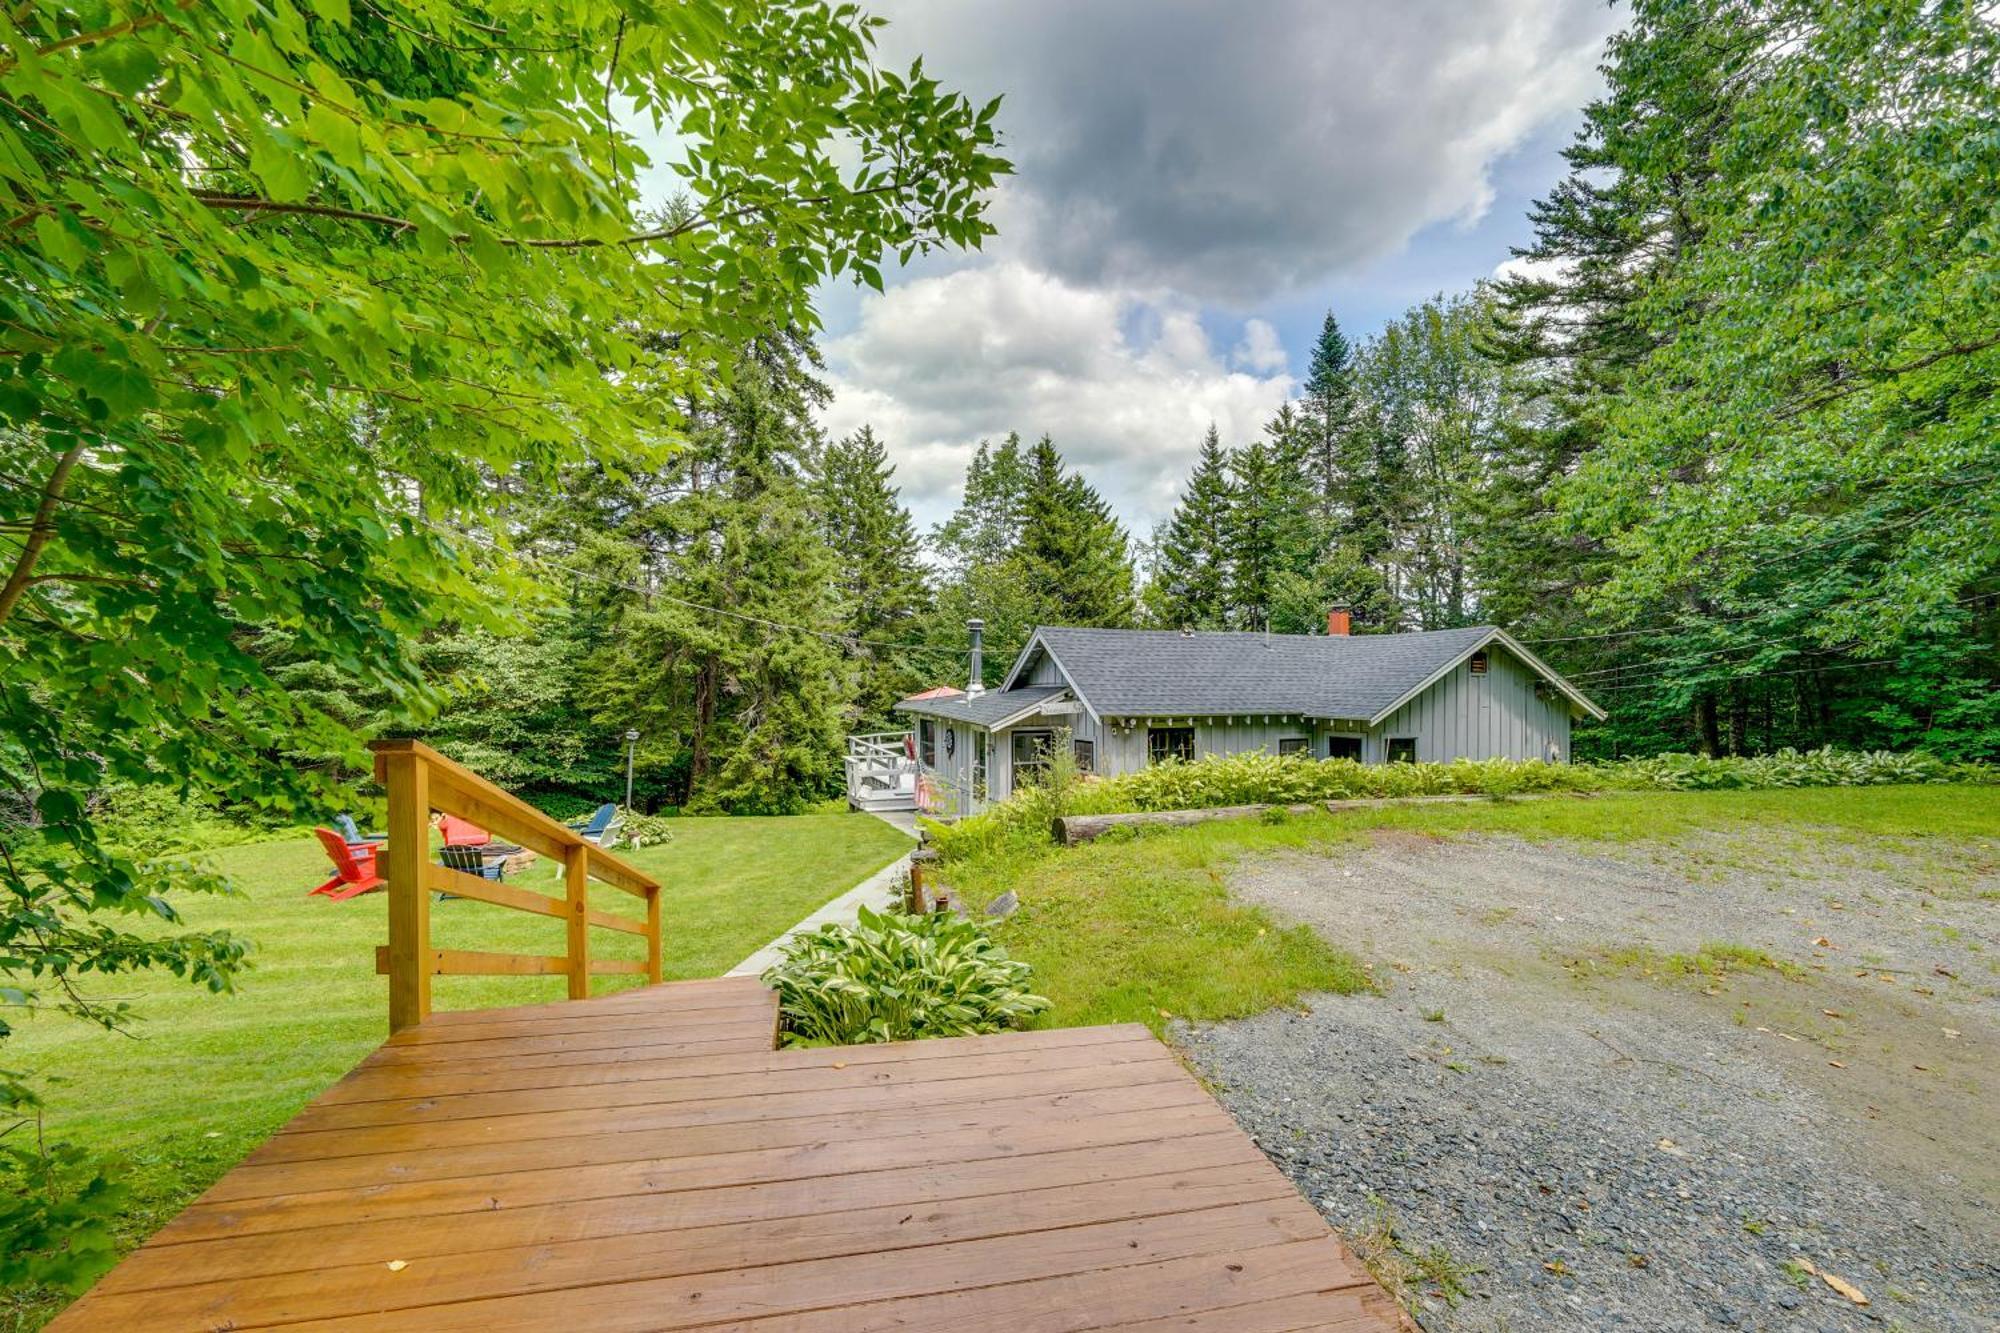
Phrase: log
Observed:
(1073, 829)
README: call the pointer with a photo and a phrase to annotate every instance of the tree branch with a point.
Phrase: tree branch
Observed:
(256, 204)
(38, 535)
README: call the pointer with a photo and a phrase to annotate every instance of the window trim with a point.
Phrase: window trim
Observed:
(1389, 744)
(1298, 745)
(1084, 753)
(1160, 753)
(927, 742)
(1018, 765)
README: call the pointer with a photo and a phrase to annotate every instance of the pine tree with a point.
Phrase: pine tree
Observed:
(1071, 550)
(1329, 426)
(1271, 533)
(986, 524)
(1190, 583)
(880, 573)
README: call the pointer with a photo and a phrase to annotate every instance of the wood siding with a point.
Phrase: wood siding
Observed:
(1494, 716)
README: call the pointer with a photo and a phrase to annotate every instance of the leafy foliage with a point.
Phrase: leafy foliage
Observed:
(1265, 779)
(289, 296)
(897, 977)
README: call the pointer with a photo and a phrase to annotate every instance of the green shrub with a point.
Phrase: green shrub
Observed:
(152, 821)
(897, 977)
(1265, 779)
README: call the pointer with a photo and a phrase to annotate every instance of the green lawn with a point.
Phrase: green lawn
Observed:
(1140, 928)
(204, 1078)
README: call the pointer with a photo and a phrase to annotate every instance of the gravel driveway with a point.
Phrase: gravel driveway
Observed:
(1547, 1121)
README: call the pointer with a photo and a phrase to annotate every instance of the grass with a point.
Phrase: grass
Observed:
(205, 1078)
(1139, 927)
(1713, 961)
(1143, 931)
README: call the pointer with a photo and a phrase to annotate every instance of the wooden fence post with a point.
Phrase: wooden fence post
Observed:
(576, 880)
(653, 959)
(404, 855)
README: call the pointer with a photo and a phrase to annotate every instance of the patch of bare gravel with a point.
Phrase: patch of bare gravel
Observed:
(1549, 1113)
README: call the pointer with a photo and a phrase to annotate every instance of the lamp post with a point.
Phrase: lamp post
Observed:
(631, 748)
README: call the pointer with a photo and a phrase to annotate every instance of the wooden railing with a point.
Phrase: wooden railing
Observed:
(420, 780)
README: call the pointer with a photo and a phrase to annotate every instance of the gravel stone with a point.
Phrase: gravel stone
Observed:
(1606, 1148)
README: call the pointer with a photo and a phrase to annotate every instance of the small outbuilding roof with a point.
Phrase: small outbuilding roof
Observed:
(990, 709)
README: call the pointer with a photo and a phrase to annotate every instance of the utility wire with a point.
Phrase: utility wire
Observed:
(831, 636)
(1669, 669)
(1802, 671)
(1782, 558)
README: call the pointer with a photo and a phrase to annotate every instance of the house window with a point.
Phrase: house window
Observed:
(1164, 743)
(927, 742)
(1344, 747)
(979, 765)
(1086, 755)
(1294, 745)
(1402, 749)
(1031, 754)
(1478, 664)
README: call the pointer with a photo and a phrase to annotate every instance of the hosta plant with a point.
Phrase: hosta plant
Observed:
(897, 977)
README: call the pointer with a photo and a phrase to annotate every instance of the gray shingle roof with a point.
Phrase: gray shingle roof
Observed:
(989, 708)
(1140, 673)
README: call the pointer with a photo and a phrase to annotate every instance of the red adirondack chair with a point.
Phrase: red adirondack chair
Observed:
(353, 867)
(462, 833)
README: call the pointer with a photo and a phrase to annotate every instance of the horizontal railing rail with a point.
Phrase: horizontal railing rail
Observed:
(419, 781)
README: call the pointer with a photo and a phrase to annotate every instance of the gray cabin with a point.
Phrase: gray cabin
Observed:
(1129, 698)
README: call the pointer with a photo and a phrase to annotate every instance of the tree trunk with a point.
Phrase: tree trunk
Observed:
(1739, 721)
(704, 718)
(1706, 726)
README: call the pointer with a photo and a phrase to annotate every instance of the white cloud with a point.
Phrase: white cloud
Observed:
(1236, 152)
(1125, 382)
(1260, 351)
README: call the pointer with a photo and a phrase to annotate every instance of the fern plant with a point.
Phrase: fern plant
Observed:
(898, 977)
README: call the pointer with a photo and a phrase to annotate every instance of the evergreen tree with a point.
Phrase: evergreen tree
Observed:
(1072, 552)
(987, 522)
(880, 573)
(1331, 440)
(1270, 533)
(1190, 573)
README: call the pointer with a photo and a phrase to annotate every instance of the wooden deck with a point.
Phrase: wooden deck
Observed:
(647, 1161)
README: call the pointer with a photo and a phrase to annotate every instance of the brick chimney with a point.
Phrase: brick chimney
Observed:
(977, 685)
(1338, 619)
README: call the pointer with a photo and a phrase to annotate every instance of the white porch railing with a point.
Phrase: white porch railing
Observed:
(881, 775)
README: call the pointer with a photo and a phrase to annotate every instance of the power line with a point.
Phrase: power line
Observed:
(1782, 558)
(831, 636)
(1669, 670)
(1801, 671)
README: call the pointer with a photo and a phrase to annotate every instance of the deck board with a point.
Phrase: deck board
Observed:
(523, 1168)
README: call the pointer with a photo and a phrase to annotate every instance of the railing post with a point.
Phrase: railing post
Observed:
(576, 880)
(653, 960)
(404, 856)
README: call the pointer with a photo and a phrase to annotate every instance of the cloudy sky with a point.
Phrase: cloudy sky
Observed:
(1197, 184)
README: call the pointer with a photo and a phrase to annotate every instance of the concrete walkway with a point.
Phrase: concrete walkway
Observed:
(880, 889)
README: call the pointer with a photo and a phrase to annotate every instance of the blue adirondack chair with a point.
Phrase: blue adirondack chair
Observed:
(600, 822)
(594, 829)
(355, 837)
